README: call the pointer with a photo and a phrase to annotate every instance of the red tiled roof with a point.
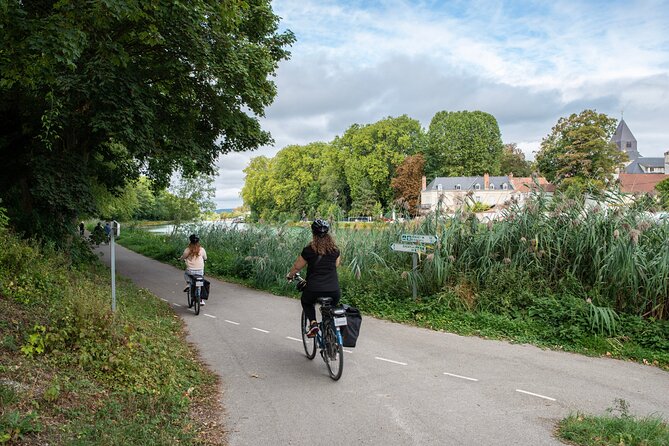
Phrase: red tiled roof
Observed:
(640, 182)
(525, 184)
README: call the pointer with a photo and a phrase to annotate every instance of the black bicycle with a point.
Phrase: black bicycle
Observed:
(328, 338)
(194, 292)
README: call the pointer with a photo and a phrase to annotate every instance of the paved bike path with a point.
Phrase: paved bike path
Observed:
(401, 385)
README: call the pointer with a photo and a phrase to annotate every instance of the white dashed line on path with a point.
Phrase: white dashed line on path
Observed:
(260, 329)
(163, 299)
(210, 315)
(177, 305)
(460, 376)
(390, 360)
(293, 339)
(347, 351)
(535, 394)
(232, 322)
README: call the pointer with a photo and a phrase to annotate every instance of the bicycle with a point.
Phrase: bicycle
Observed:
(194, 292)
(328, 338)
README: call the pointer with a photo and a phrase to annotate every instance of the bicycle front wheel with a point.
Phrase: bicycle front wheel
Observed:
(308, 343)
(334, 353)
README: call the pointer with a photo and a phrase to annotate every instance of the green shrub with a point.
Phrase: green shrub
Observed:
(14, 426)
(134, 360)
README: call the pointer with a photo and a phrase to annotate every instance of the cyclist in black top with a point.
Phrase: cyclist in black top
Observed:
(321, 257)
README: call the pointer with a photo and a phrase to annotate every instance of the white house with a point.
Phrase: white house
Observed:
(451, 193)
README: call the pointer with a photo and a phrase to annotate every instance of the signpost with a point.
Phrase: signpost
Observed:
(420, 238)
(404, 247)
(415, 244)
(115, 231)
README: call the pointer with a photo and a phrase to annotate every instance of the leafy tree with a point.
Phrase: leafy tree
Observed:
(579, 151)
(255, 193)
(463, 143)
(190, 197)
(93, 93)
(146, 201)
(116, 207)
(513, 161)
(365, 202)
(662, 189)
(294, 185)
(334, 189)
(286, 185)
(373, 152)
(407, 182)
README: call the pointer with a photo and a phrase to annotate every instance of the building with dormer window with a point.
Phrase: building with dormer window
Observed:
(451, 193)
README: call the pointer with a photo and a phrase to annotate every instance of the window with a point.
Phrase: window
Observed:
(505, 186)
(628, 144)
(492, 186)
(457, 187)
(439, 186)
(477, 186)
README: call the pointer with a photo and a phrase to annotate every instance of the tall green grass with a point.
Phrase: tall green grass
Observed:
(561, 272)
(616, 428)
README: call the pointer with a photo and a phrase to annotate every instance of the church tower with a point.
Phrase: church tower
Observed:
(625, 141)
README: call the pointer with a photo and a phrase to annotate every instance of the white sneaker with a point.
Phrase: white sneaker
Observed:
(201, 303)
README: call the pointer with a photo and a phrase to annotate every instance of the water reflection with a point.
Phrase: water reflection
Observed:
(167, 229)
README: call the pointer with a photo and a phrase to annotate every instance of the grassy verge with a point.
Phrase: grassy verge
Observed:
(72, 372)
(614, 429)
(511, 305)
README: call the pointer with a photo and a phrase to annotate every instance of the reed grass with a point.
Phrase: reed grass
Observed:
(574, 268)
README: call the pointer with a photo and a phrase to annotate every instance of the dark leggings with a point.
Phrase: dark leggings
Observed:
(309, 299)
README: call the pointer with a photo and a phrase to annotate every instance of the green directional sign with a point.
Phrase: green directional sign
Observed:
(404, 247)
(419, 238)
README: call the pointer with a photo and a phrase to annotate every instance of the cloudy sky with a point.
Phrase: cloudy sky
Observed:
(527, 63)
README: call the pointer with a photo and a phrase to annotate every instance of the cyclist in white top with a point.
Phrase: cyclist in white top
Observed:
(194, 255)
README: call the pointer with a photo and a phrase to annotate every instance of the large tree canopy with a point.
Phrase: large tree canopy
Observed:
(373, 152)
(463, 143)
(94, 93)
(579, 150)
(350, 174)
(285, 186)
(513, 161)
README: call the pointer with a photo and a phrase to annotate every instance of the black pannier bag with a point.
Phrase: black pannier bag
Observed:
(204, 292)
(350, 332)
(205, 289)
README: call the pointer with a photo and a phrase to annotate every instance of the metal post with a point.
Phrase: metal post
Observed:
(415, 267)
(113, 271)
(436, 216)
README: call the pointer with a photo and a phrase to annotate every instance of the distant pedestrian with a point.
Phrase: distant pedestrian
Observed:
(98, 234)
(107, 231)
(81, 228)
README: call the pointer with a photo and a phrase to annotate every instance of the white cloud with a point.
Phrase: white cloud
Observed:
(527, 63)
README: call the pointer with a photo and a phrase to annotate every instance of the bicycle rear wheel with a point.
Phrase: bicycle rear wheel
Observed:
(196, 301)
(308, 343)
(334, 353)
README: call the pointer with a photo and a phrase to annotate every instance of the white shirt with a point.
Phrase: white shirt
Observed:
(194, 262)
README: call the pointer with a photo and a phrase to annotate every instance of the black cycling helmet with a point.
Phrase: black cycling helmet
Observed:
(320, 227)
(194, 238)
